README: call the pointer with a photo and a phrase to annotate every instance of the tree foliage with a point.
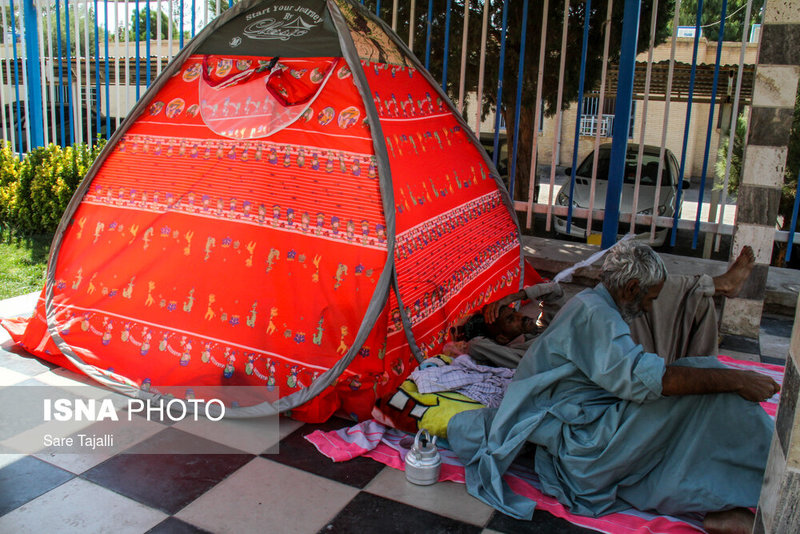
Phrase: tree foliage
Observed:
(140, 32)
(712, 15)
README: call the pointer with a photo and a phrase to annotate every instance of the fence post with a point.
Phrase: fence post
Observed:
(622, 118)
(35, 113)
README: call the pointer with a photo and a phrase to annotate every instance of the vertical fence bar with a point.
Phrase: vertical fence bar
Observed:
(87, 54)
(462, 77)
(378, 8)
(622, 118)
(117, 79)
(690, 95)
(446, 46)
(194, 17)
(394, 16)
(559, 100)
(70, 97)
(7, 116)
(482, 66)
(47, 42)
(412, 23)
(157, 21)
(61, 96)
(16, 78)
(734, 116)
(108, 73)
(170, 38)
(517, 107)
(127, 57)
(9, 61)
(665, 121)
(537, 114)
(581, 80)
(498, 109)
(710, 129)
(75, 123)
(643, 127)
(180, 25)
(33, 75)
(42, 48)
(138, 55)
(428, 35)
(147, 39)
(96, 72)
(598, 113)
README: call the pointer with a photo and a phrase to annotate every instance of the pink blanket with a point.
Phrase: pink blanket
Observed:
(388, 446)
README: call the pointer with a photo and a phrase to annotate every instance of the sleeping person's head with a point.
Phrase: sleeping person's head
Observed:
(509, 325)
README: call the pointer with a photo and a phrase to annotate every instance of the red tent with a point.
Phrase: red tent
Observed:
(295, 205)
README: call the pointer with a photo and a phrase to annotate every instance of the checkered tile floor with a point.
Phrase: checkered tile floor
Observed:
(256, 482)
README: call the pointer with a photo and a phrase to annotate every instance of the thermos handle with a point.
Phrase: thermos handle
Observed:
(428, 439)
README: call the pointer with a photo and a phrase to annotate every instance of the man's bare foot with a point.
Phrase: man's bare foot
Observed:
(736, 521)
(730, 283)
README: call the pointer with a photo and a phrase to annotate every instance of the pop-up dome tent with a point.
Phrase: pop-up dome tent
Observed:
(294, 204)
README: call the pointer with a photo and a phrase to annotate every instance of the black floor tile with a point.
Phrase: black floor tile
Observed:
(776, 325)
(173, 525)
(541, 523)
(167, 481)
(295, 451)
(773, 361)
(371, 513)
(26, 479)
(14, 358)
(739, 344)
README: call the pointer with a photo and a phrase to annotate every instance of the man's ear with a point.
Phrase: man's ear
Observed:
(631, 289)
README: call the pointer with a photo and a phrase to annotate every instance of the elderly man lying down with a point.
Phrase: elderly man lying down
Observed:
(616, 426)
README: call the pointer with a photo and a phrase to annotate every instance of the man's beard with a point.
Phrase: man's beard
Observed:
(633, 309)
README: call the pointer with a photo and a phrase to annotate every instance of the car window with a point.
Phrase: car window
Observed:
(649, 175)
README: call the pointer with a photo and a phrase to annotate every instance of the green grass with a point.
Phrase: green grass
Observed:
(23, 263)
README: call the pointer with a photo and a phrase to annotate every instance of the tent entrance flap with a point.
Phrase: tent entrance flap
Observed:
(256, 98)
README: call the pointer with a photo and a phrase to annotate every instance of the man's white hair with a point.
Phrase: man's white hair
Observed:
(632, 260)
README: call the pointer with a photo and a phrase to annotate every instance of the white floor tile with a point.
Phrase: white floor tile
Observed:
(21, 306)
(8, 459)
(9, 378)
(81, 507)
(265, 496)
(254, 435)
(449, 499)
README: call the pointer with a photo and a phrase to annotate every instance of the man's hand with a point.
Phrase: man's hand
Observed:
(757, 387)
(492, 310)
(545, 292)
(680, 380)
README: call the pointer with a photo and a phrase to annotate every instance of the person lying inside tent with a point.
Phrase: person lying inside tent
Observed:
(616, 426)
(500, 335)
(682, 322)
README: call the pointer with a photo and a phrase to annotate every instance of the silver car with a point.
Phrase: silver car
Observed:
(647, 190)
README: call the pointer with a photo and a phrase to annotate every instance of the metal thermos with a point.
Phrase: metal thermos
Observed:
(423, 462)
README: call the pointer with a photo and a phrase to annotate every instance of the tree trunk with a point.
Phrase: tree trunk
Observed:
(523, 154)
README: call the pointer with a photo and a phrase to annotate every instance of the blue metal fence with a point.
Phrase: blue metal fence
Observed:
(56, 92)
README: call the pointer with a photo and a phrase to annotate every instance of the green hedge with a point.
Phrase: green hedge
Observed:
(35, 191)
